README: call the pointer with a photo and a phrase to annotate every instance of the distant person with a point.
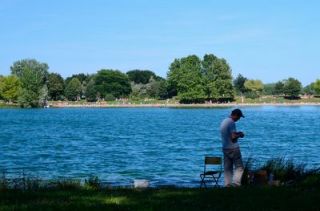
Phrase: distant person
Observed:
(231, 149)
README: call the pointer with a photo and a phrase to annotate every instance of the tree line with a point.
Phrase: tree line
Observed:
(190, 80)
(290, 88)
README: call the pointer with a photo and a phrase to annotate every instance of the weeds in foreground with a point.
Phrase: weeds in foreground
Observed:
(283, 170)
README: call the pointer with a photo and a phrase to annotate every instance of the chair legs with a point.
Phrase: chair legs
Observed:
(214, 179)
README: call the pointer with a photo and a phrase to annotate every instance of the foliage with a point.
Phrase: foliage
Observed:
(109, 97)
(73, 89)
(308, 90)
(33, 76)
(9, 88)
(141, 76)
(279, 88)
(292, 88)
(194, 80)
(84, 80)
(81, 77)
(112, 82)
(285, 170)
(55, 86)
(316, 87)
(18, 68)
(155, 87)
(269, 89)
(254, 86)
(91, 92)
(238, 84)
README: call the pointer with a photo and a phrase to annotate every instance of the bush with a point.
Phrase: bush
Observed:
(284, 170)
(109, 97)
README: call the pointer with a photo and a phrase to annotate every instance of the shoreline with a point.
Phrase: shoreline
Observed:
(213, 105)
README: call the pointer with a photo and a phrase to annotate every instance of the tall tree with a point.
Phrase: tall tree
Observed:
(292, 88)
(55, 86)
(112, 82)
(141, 76)
(9, 88)
(91, 91)
(84, 80)
(308, 90)
(185, 74)
(238, 83)
(316, 87)
(279, 88)
(195, 81)
(73, 89)
(224, 79)
(33, 76)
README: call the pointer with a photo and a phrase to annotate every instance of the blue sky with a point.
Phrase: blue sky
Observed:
(267, 40)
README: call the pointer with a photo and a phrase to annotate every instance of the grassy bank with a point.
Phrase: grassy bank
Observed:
(299, 189)
(265, 100)
(253, 198)
(174, 103)
(276, 100)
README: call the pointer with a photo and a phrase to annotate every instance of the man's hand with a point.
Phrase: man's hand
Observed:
(241, 134)
(236, 135)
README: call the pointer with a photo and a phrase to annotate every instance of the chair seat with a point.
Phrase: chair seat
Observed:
(211, 172)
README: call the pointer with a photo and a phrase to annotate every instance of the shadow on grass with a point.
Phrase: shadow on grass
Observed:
(250, 198)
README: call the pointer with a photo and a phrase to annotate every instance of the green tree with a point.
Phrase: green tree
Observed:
(153, 88)
(33, 76)
(196, 81)
(84, 80)
(112, 82)
(254, 86)
(81, 77)
(292, 88)
(238, 83)
(210, 76)
(91, 92)
(141, 76)
(308, 90)
(9, 88)
(186, 76)
(163, 91)
(269, 89)
(73, 89)
(316, 87)
(279, 88)
(224, 79)
(55, 86)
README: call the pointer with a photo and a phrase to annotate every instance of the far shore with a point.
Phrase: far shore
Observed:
(177, 105)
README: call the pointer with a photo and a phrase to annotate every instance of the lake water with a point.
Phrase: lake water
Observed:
(163, 145)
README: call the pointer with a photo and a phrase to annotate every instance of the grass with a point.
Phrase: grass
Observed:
(238, 100)
(253, 198)
(303, 194)
(133, 102)
(276, 100)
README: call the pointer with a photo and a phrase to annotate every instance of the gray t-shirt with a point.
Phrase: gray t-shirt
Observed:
(227, 127)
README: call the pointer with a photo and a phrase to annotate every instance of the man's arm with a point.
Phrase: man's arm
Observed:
(236, 135)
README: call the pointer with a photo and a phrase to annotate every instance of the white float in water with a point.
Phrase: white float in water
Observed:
(140, 183)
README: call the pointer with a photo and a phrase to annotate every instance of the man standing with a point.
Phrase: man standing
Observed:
(231, 149)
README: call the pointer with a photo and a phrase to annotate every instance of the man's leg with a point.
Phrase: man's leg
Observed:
(238, 167)
(228, 168)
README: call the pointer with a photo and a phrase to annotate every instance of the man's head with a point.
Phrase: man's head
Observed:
(236, 114)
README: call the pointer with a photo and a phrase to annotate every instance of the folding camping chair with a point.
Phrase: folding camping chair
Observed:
(212, 171)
